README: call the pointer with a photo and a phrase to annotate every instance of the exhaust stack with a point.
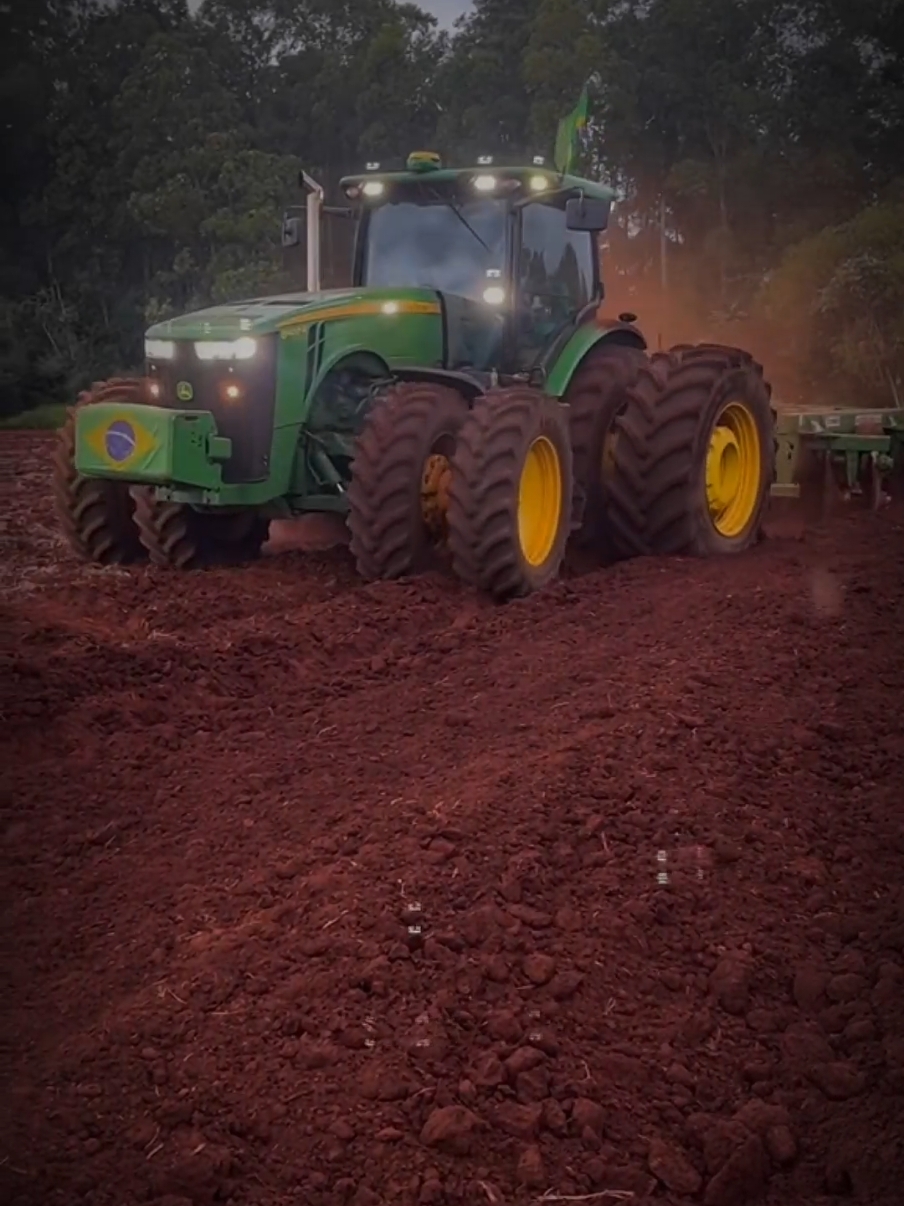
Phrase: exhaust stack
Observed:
(291, 230)
(313, 210)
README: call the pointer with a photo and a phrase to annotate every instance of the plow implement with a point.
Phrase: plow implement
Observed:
(828, 459)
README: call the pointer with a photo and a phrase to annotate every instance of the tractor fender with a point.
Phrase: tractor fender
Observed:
(296, 419)
(356, 352)
(584, 339)
(468, 384)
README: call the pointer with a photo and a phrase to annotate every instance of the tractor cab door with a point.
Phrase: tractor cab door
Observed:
(556, 276)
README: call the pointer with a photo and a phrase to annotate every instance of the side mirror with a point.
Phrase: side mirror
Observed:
(291, 232)
(587, 213)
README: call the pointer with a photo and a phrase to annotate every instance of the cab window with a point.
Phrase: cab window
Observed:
(555, 276)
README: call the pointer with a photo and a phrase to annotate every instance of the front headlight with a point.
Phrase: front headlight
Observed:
(159, 349)
(234, 349)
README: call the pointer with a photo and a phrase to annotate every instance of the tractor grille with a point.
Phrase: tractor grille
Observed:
(246, 419)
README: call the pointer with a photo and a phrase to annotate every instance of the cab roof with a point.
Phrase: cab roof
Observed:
(446, 175)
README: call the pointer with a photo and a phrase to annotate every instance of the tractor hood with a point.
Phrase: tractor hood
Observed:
(267, 315)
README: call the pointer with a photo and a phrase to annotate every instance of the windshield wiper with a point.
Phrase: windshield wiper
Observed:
(464, 221)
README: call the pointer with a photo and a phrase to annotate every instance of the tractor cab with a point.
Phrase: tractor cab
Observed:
(512, 251)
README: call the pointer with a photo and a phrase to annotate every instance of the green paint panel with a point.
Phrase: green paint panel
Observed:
(385, 341)
(149, 444)
(572, 354)
(263, 316)
(410, 339)
(584, 338)
(840, 422)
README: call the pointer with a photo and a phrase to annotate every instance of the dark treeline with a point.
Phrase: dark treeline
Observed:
(756, 146)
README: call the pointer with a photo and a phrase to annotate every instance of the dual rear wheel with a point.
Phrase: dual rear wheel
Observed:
(692, 455)
(488, 483)
(649, 456)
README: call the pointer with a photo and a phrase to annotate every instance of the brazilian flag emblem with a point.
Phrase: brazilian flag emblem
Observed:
(568, 135)
(122, 442)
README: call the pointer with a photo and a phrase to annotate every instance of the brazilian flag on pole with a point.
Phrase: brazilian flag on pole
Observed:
(569, 130)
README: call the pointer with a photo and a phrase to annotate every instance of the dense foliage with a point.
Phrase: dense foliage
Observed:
(150, 151)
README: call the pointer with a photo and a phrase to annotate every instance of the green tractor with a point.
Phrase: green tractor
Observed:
(464, 397)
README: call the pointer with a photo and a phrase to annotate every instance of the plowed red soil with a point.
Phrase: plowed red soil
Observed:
(325, 894)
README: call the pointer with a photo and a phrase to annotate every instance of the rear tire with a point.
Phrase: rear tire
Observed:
(694, 455)
(595, 395)
(96, 514)
(179, 537)
(396, 515)
(511, 494)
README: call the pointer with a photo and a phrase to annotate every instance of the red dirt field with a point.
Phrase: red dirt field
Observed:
(340, 895)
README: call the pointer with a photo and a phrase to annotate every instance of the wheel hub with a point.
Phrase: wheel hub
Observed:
(435, 482)
(733, 470)
(607, 461)
(539, 501)
(722, 470)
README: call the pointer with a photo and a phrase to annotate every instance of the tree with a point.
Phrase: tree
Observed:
(150, 150)
(835, 305)
(485, 98)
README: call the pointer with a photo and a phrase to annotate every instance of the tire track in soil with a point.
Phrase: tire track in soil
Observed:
(230, 797)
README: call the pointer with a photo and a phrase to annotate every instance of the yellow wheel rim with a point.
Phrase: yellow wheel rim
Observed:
(539, 501)
(435, 482)
(607, 461)
(733, 470)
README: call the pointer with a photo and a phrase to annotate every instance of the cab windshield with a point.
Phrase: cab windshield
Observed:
(436, 239)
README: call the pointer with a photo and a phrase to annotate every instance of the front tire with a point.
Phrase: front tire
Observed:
(694, 455)
(179, 537)
(511, 494)
(96, 515)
